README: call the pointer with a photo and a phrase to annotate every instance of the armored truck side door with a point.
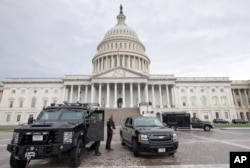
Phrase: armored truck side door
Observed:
(95, 131)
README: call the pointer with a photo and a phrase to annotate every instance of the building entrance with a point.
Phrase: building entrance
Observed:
(119, 102)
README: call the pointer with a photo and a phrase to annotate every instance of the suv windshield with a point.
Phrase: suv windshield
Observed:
(147, 122)
(61, 114)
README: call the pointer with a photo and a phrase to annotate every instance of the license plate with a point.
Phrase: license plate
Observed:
(37, 137)
(29, 155)
(161, 150)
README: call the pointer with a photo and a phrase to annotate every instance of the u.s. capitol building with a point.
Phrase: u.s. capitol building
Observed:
(121, 79)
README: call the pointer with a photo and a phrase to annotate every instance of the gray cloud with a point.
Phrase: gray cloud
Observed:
(47, 38)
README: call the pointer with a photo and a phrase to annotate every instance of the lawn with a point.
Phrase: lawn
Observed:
(232, 125)
(7, 128)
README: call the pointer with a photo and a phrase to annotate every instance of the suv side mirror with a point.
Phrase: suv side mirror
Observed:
(128, 125)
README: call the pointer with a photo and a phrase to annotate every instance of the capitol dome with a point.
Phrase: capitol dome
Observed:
(121, 47)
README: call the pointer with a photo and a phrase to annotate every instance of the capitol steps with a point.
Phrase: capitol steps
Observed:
(120, 114)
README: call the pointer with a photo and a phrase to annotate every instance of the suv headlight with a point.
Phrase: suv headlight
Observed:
(67, 137)
(174, 136)
(142, 137)
(15, 137)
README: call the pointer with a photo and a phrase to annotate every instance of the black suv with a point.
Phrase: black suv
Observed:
(64, 128)
(220, 121)
(147, 135)
(239, 121)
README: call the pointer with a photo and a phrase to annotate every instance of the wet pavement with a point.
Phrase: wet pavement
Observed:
(197, 148)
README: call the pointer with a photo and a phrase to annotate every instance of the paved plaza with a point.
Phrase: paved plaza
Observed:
(197, 148)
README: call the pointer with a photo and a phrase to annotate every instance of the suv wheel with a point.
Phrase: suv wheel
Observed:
(122, 140)
(76, 154)
(135, 148)
(16, 163)
(206, 128)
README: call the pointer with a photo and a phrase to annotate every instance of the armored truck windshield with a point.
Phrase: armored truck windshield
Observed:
(61, 114)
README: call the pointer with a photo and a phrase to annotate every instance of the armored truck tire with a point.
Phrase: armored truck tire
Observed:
(16, 163)
(76, 154)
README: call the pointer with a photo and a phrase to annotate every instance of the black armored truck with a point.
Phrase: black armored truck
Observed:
(182, 120)
(59, 129)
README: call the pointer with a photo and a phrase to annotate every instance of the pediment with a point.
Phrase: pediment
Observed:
(119, 73)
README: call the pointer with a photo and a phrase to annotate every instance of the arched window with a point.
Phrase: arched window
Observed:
(203, 100)
(215, 100)
(33, 102)
(21, 100)
(192, 99)
(11, 102)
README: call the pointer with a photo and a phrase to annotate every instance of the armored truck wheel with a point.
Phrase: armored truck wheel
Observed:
(16, 163)
(76, 155)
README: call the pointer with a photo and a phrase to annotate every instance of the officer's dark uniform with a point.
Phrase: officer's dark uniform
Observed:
(110, 123)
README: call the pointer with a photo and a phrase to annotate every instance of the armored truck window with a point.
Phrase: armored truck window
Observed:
(72, 115)
(48, 115)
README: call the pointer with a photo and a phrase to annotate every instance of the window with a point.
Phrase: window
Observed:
(33, 102)
(13, 91)
(203, 101)
(215, 101)
(11, 103)
(191, 90)
(217, 115)
(213, 90)
(20, 103)
(221, 90)
(226, 115)
(23, 91)
(35, 91)
(55, 91)
(205, 115)
(8, 118)
(182, 90)
(46, 91)
(45, 102)
(18, 118)
(202, 90)
(192, 99)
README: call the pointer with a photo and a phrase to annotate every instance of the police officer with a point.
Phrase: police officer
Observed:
(110, 131)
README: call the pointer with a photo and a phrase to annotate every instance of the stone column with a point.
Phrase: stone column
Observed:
(187, 95)
(107, 101)
(139, 93)
(167, 94)
(131, 95)
(112, 61)
(146, 91)
(92, 93)
(173, 95)
(71, 94)
(78, 93)
(100, 95)
(123, 95)
(63, 97)
(115, 96)
(234, 98)
(246, 97)
(160, 97)
(86, 93)
(153, 95)
(241, 100)
(230, 97)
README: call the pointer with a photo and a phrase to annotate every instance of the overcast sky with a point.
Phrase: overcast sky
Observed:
(186, 38)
